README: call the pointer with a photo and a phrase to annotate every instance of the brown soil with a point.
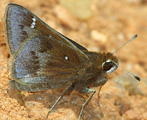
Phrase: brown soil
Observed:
(106, 27)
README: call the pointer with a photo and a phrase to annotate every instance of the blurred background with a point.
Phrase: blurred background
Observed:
(100, 26)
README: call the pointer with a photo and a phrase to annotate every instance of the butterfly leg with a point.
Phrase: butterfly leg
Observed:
(99, 91)
(20, 97)
(17, 92)
(68, 88)
(86, 90)
(99, 95)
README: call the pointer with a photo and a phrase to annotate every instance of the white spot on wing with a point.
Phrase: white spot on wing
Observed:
(49, 36)
(33, 23)
(66, 58)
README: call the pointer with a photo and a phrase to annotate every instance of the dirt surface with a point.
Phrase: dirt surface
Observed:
(101, 26)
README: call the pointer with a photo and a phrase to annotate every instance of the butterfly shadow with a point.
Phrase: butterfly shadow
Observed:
(73, 101)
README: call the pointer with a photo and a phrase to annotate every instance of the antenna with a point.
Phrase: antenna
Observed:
(126, 43)
(136, 77)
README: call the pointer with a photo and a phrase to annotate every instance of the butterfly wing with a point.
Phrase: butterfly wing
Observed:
(46, 62)
(21, 24)
(41, 58)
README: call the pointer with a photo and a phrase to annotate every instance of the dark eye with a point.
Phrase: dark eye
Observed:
(109, 67)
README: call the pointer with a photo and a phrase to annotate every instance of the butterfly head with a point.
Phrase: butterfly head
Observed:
(110, 63)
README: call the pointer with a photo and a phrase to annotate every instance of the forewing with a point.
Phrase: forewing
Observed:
(21, 24)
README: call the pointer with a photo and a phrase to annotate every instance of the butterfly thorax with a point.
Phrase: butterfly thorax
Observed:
(101, 64)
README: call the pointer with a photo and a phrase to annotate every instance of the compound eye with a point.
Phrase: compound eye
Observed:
(109, 66)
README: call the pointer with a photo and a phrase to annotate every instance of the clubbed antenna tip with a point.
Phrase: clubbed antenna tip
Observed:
(137, 78)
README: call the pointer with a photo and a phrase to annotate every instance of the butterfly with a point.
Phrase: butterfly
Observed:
(42, 58)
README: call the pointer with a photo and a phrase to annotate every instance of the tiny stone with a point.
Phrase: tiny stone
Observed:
(98, 36)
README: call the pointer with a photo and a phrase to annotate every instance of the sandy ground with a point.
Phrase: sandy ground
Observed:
(101, 26)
